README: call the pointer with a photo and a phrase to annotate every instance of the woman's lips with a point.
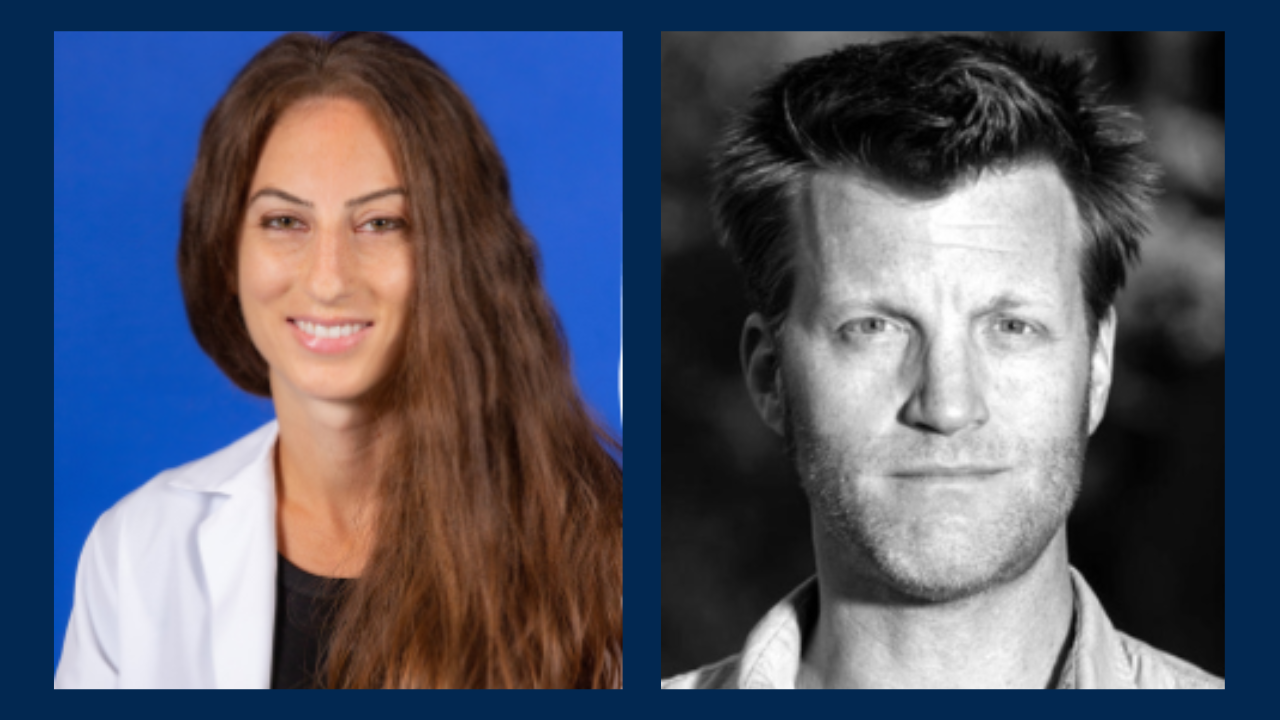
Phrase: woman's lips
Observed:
(328, 345)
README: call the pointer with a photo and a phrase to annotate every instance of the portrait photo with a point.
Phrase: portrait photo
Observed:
(337, 360)
(943, 360)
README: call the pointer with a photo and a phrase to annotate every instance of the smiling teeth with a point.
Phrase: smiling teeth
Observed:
(322, 331)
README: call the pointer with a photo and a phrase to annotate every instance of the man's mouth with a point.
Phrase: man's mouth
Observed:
(948, 471)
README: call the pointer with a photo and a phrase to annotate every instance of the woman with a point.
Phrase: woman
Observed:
(433, 506)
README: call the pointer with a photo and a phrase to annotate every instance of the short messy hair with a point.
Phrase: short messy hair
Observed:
(925, 115)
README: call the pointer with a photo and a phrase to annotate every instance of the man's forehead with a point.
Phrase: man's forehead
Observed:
(1024, 215)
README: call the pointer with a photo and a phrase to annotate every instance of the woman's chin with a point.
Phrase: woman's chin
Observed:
(330, 388)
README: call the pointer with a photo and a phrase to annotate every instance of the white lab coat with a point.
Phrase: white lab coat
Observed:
(176, 584)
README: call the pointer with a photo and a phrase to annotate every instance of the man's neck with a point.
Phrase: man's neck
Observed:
(1011, 636)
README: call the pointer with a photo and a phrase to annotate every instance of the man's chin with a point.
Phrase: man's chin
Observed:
(934, 586)
(924, 575)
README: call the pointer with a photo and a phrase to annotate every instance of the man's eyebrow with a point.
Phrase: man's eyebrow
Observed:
(878, 304)
(870, 303)
(274, 192)
(1007, 301)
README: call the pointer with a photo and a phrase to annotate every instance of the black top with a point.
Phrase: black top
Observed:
(303, 605)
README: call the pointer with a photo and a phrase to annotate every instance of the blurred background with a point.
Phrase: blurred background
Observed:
(1148, 530)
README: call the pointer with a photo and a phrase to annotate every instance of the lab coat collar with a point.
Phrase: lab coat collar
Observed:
(237, 545)
(236, 467)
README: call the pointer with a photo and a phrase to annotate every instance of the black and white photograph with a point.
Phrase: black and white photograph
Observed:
(943, 360)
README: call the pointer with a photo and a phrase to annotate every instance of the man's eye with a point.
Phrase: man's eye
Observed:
(868, 326)
(1011, 326)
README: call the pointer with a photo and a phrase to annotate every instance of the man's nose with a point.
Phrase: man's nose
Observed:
(329, 264)
(948, 396)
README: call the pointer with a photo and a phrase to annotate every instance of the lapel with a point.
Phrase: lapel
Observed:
(237, 544)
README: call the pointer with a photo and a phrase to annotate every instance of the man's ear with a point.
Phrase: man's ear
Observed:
(1100, 366)
(762, 367)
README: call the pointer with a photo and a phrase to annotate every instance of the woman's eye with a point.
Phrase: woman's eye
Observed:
(383, 224)
(283, 222)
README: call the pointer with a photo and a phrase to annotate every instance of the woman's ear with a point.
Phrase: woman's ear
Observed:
(762, 367)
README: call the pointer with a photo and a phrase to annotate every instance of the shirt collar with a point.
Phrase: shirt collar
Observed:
(771, 657)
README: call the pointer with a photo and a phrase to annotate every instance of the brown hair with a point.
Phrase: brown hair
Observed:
(498, 552)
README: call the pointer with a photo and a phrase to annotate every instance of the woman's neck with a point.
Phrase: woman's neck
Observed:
(326, 477)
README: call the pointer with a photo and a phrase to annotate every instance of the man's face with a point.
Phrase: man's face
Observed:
(935, 376)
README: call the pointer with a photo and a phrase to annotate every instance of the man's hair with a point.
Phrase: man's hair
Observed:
(924, 115)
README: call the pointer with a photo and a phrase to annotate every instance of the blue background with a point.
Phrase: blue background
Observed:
(133, 393)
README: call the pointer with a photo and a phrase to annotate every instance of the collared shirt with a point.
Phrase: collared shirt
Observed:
(1101, 657)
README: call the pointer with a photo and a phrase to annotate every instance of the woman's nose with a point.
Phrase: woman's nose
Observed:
(329, 265)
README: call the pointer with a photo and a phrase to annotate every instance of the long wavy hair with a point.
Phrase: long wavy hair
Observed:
(497, 559)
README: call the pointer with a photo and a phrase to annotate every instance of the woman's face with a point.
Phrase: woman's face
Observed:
(325, 261)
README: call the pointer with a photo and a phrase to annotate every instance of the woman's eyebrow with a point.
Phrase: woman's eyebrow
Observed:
(374, 196)
(305, 203)
(280, 194)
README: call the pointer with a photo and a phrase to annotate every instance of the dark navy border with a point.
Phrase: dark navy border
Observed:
(1252, 390)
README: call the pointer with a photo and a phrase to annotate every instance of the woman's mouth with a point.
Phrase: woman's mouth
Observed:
(329, 338)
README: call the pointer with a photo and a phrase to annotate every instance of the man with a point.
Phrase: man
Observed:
(932, 233)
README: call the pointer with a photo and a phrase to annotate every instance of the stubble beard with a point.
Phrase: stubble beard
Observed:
(877, 544)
